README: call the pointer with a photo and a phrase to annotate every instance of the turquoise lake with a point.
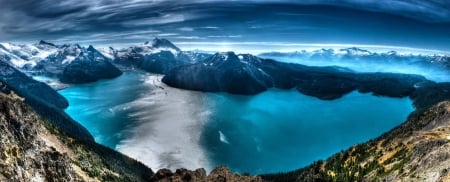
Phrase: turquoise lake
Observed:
(275, 131)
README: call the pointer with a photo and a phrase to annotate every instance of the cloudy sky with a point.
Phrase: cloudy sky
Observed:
(410, 23)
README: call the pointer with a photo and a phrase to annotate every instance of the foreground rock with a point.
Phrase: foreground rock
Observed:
(220, 174)
(33, 149)
(417, 150)
(46, 101)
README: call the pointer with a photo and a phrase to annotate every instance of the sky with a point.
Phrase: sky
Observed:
(227, 24)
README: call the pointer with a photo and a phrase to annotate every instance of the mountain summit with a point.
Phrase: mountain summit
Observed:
(89, 66)
(42, 42)
(164, 43)
(223, 71)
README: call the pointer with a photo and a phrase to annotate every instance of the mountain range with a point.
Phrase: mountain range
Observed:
(75, 156)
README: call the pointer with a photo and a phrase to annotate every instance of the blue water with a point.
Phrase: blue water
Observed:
(275, 131)
(283, 130)
(97, 106)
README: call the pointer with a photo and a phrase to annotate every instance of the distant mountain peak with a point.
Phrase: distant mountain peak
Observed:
(77, 46)
(225, 56)
(164, 43)
(356, 51)
(3, 47)
(92, 49)
(42, 42)
(232, 56)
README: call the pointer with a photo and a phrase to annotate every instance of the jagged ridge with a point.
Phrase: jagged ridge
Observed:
(46, 101)
(89, 66)
(34, 149)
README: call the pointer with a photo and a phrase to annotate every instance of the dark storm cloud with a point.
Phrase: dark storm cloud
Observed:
(425, 10)
(104, 21)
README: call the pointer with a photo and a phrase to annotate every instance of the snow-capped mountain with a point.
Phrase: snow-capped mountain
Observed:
(358, 54)
(247, 74)
(53, 64)
(224, 71)
(90, 65)
(434, 67)
(60, 61)
(42, 58)
(160, 56)
(21, 56)
(146, 48)
(164, 44)
(71, 63)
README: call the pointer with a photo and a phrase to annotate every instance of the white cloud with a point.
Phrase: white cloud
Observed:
(186, 29)
(210, 27)
(188, 37)
(167, 18)
(166, 34)
(225, 36)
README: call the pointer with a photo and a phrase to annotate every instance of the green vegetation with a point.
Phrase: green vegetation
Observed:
(101, 162)
(97, 161)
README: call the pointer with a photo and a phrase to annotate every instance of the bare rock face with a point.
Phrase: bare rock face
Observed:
(25, 155)
(33, 149)
(224, 174)
(220, 174)
(46, 101)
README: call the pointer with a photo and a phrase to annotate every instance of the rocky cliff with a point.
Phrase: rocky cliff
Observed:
(417, 150)
(220, 174)
(46, 101)
(33, 149)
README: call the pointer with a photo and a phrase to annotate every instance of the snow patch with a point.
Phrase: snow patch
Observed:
(224, 57)
(223, 138)
(68, 60)
(8, 46)
(107, 52)
(22, 55)
(158, 50)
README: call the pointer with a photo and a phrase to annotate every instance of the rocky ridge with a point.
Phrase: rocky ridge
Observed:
(199, 175)
(46, 101)
(34, 149)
